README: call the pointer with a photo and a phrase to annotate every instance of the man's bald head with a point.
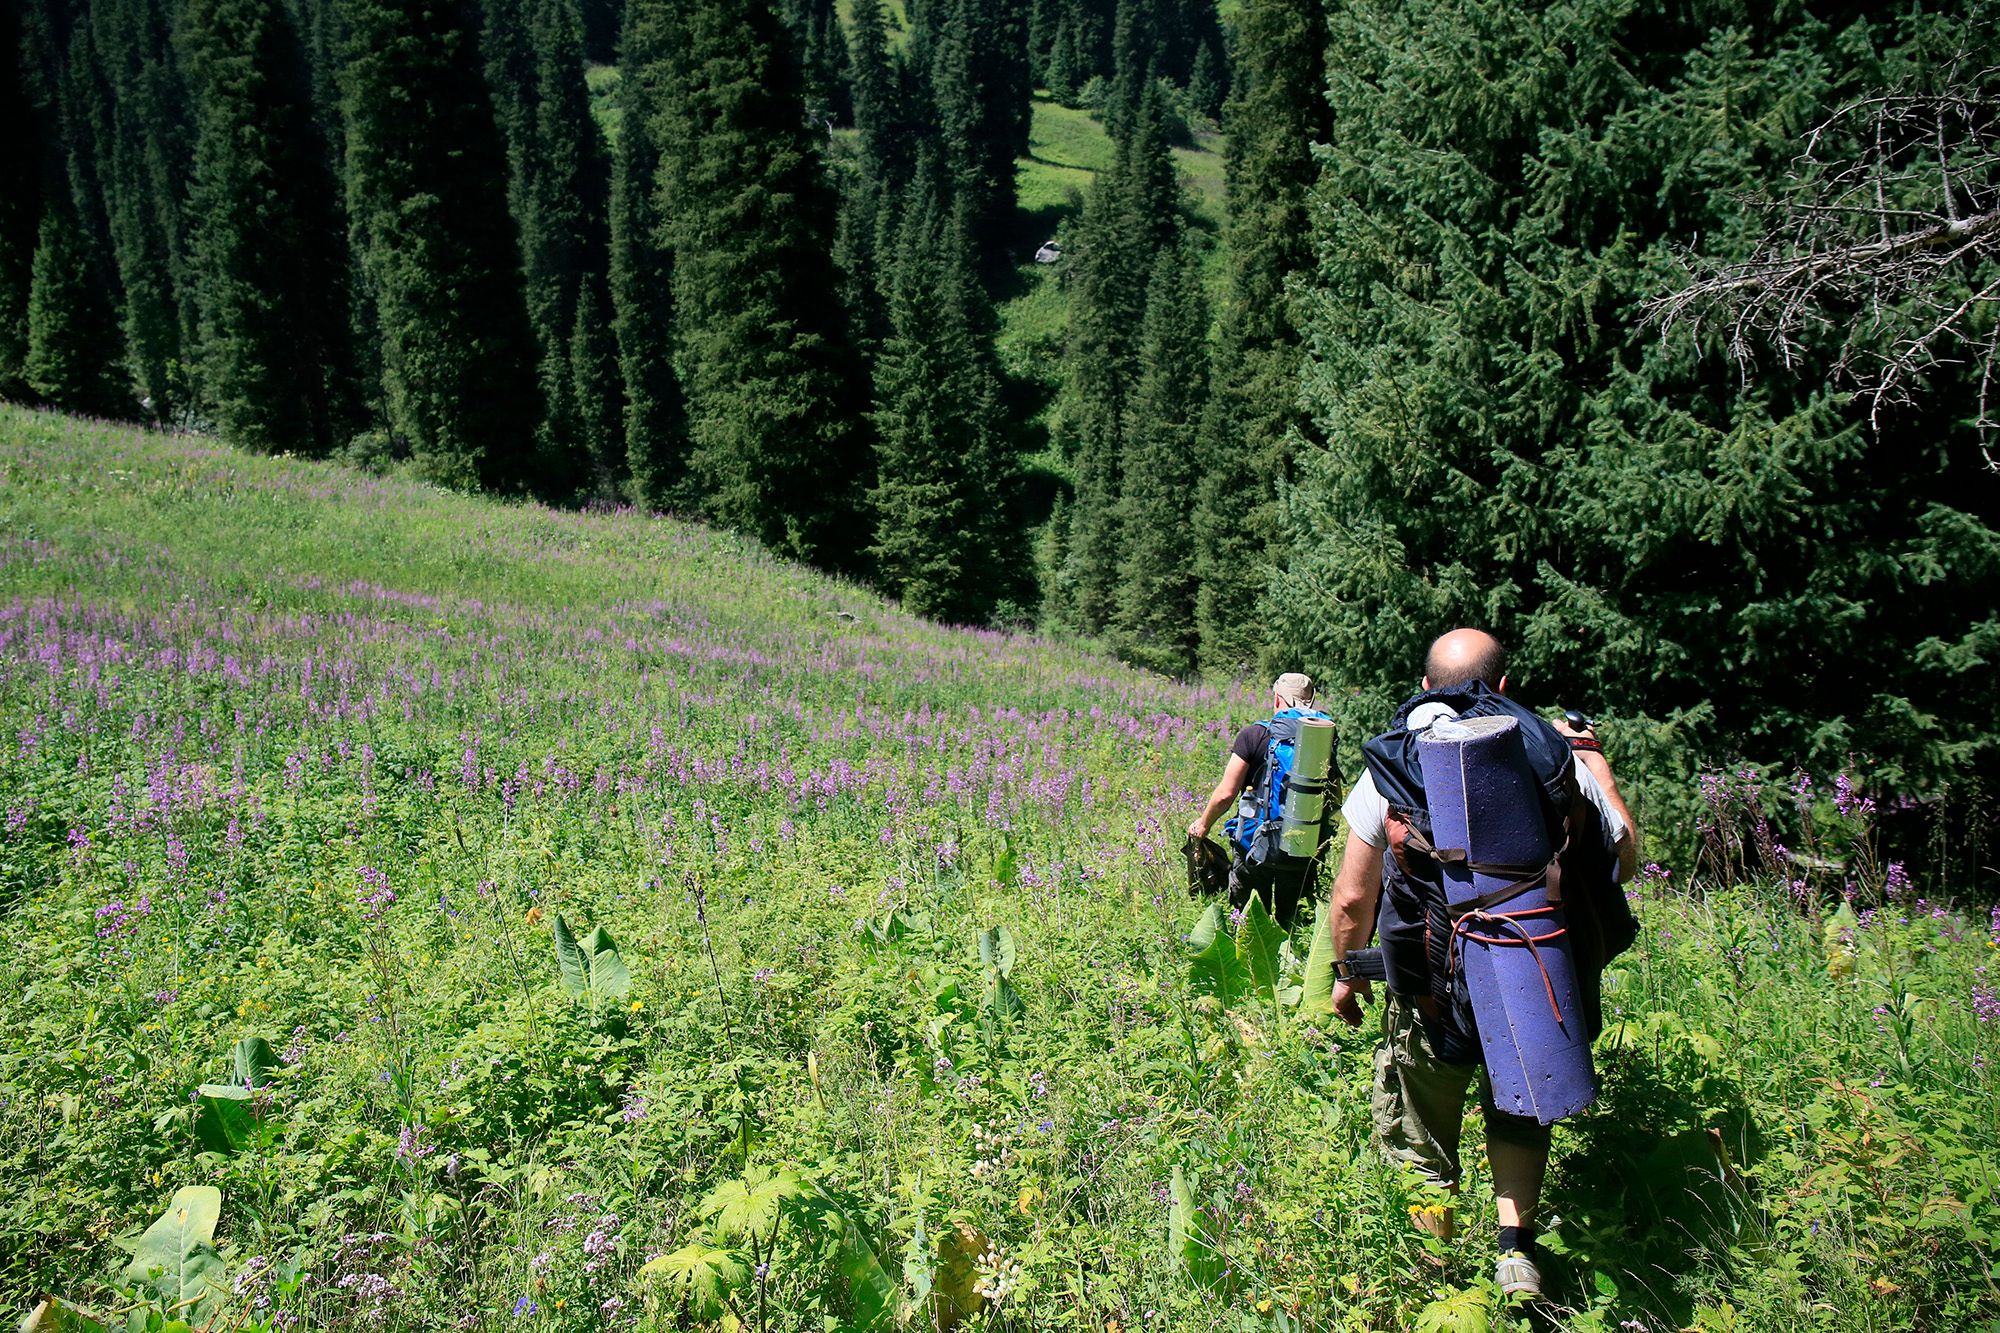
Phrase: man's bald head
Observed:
(1463, 656)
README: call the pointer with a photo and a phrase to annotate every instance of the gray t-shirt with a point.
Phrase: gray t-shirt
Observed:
(1367, 813)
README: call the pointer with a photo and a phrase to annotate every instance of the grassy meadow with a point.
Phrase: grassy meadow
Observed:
(476, 916)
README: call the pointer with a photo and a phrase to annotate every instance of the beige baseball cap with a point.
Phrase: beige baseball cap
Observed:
(1294, 687)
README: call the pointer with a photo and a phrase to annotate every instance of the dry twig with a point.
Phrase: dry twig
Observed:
(1885, 235)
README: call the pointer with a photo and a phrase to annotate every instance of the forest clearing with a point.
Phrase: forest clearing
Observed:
(572, 920)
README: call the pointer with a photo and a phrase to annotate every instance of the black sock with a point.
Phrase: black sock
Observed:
(1510, 1239)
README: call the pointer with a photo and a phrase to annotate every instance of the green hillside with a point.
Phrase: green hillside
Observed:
(316, 790)
(1068, 148)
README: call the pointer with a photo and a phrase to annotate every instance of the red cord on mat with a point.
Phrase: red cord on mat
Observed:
(1510, 921)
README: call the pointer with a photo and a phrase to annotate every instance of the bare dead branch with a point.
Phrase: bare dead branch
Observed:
(1882, 242)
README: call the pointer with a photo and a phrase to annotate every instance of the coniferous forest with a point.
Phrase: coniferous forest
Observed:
(769, 263)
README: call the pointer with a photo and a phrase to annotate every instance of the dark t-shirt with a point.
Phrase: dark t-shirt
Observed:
(1251, 745)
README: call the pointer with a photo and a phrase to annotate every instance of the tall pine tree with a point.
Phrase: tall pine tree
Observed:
(1729, 571)
(863, 243)
(269, 252)
(776, 397)
(594, 388)
(143, 143)
(1130, 215)
(1278, 114)
(558, 181)
(654, 430)
(73, 339)
(947, 500)
(22, 171)
(426, 177)
(1154, 622)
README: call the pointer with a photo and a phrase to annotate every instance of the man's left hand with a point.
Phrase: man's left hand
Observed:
(1197, 830)
(1562, 725)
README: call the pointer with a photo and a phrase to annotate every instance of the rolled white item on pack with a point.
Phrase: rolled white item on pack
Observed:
(1305, 788)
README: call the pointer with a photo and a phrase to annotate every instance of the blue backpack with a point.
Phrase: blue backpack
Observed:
(1259, 820)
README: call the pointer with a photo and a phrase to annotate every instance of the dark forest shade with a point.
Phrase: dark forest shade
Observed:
(980, 88)
(21, 178)
(126, 84)
(776, 397)
(426, 178)
(268, 257)
(558, 179)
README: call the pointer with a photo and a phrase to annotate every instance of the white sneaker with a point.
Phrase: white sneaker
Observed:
(1517, 1276)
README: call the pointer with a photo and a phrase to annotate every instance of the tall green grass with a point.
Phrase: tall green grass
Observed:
(908, 998)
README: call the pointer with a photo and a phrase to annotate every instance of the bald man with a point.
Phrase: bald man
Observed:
(1427, 1061)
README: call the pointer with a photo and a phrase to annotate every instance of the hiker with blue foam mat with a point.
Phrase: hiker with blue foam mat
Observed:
(1486, 845)
(1278, 775)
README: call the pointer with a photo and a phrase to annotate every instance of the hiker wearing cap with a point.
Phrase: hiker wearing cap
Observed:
(1392, 877)
(1274, 849)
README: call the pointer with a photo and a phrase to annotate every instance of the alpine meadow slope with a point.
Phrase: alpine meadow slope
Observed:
(446, 913)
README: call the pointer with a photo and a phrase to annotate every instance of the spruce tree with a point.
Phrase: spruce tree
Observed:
(880, 171)
(21, 173)
(80, 108)
(1727, 571)
(557, 183)
(593, 371)
(73, 343)
(1130, 215)
(426, 177)
(269, 252)
(654, 431)
(947, 499)
(776, 397)
(980, 88)
(143, 145)
(1063, 79)
(1154, 622)
(1208, 83)
(1277, 115)
(822, 46)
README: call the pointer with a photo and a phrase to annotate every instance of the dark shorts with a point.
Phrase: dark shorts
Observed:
(1282, 889)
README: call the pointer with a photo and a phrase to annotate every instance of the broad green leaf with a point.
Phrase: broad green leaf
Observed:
(996, 949)
(919, 1265)
(1188, 1246)
(1002, 1001)
(570, 957)
(1316, 999)
(1217, 970)
(748, 1206)
(225, 1122)
(1257, 942)
(703, 1276)
(176, 1255)
(610, 979)
(1005, 864)
(1206, 929)
(255, 1061)
(877, 1299)
(592, 970)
